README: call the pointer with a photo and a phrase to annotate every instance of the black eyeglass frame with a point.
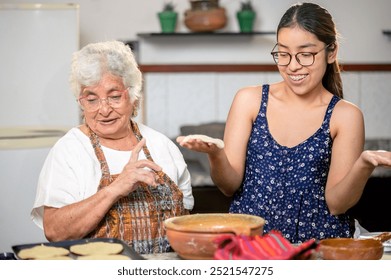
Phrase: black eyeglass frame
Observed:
(297, 59)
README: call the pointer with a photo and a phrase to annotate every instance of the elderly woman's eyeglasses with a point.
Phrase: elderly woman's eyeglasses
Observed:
(303, 58)
(91, 102)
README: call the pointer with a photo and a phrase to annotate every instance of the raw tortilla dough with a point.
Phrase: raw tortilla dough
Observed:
(97, 248)
(218, 142)
(42, 252)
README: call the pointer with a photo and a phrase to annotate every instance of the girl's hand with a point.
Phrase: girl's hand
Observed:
(201, 143)
(377, 158)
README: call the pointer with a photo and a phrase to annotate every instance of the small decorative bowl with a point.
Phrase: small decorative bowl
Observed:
(205, 20)
(192, 236)
(350, 249)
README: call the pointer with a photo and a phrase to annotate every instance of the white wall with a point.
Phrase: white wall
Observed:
(359, 22)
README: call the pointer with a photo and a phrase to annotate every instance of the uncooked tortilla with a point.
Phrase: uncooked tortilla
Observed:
(42, 252)
(97, 248)
(218, 142)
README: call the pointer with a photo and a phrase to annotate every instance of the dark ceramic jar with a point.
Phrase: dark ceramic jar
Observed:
(204, 4)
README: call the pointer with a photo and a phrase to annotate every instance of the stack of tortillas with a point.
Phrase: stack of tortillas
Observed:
(99, 251)
(42, 252)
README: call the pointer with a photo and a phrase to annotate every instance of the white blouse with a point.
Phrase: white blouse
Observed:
(72, 172)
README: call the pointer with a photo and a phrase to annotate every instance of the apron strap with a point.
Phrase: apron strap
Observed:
(106, 178)
(162, 176)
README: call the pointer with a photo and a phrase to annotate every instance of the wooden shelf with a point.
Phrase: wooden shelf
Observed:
(181, 68)
(204, 34)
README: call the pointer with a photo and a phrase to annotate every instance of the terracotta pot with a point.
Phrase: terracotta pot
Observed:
(192, 236)
(350, 249)
(205, 20)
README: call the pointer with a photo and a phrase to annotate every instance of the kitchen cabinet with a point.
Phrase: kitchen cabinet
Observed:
(373, 209)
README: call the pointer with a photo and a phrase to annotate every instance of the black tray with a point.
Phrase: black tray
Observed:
(128, 251)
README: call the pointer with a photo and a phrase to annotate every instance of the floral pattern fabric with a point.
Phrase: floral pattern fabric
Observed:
(286, 185)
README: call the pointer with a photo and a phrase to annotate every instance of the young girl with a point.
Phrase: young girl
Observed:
(294, 150)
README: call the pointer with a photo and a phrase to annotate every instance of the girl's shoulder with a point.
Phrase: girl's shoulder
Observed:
(346, 109)
(347, 117)
(246, 103)
(249, 94)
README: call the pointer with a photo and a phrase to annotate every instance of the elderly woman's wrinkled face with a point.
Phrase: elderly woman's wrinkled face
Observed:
(107, 107)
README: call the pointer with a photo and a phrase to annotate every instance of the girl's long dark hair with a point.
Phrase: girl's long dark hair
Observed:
(317, 20)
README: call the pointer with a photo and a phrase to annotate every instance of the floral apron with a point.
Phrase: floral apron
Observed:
(138, 218)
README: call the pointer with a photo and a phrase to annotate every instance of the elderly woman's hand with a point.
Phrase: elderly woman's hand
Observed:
(135, 172)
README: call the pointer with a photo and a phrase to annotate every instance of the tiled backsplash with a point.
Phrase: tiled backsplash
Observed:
(175, 99)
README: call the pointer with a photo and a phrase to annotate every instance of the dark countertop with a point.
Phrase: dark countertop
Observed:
(162, 256)
(174, 256)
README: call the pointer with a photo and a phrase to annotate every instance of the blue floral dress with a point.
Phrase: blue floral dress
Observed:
(286, 186)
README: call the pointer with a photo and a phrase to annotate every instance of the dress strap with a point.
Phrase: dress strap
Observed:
(265, 97)
(330, 109)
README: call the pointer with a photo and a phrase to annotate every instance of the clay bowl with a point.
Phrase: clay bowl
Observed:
(192, 236)
(205, 20)
(350, 249)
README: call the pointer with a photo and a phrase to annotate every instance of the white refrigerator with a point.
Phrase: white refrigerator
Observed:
(36, 105)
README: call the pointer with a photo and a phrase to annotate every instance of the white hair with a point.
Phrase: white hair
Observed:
(94, 60)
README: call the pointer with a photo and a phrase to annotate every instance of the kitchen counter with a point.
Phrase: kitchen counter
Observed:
(162, 256)
(24, 137)
(174, 256)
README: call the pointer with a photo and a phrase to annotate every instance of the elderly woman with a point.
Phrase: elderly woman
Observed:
(111, 177)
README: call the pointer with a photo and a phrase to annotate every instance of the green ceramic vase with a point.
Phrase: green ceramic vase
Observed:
(168, 21)
(246, 21)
